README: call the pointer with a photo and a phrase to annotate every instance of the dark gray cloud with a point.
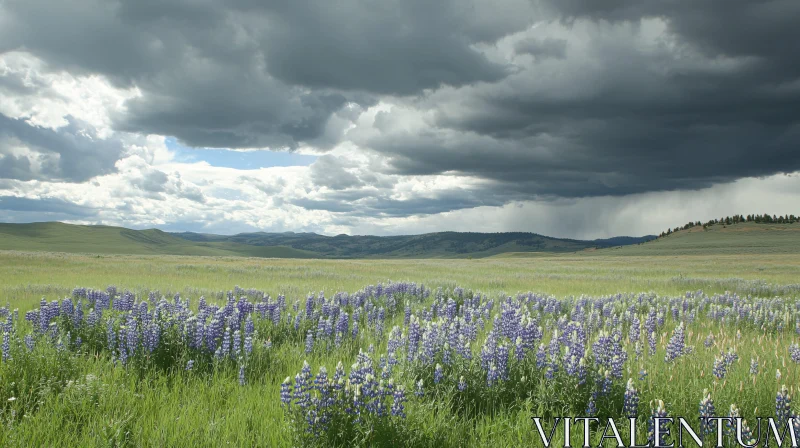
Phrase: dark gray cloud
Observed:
(72, 153)
(397, 47)
(369, 202)
(705, 103)
(261, 74)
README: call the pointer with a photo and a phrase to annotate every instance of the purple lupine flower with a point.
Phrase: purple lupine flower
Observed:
(634, 333)
(249, 327)
(110, 335)
(650, 330)
(122, 349)
(323, 386)
(29, 342)
(733, 414)
(541, 356)
(414, 336)
(309, 341)
(591, 407)
(276, 316)
(237, 344)
(604, 384)
(302, 386)
(199, 335)
(501, 359)
(731, 356)
(6, 346)
(493, 375)
(746, 434)
(602, 350)
(616, 366)
(707, 411)
(675, 347)
(462, 384)
(657, 410)
(720, 367)
(519, 349)
(338, 377)
(571, 363)
(438, 373)
(399, 398)
(226, 342)
(488, 350)
(241, 375)
(286, 397)
(631, 404)
(783, 406)
(248, 345)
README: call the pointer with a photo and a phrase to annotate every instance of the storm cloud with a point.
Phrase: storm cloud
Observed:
(71, 153)
(415, 109)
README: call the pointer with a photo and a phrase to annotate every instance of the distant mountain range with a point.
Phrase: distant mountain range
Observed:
(440, 244)
(60, 237)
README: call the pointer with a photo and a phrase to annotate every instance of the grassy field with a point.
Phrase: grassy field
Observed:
(25, 277)
(81, 395)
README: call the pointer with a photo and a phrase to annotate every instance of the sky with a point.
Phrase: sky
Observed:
(568, 118)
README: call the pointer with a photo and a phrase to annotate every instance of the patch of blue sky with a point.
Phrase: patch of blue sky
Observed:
(250, 160)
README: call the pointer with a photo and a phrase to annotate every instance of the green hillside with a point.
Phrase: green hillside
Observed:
(59, 237)
(742, 238)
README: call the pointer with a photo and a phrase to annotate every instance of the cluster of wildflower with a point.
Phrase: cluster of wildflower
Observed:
(730, 356)
(720, 367)
(345, 398)
(141, 329)
(794, 352)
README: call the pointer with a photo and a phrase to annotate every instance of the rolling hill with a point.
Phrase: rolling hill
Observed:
(742, 238)
(60, 237)
(739, 239)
